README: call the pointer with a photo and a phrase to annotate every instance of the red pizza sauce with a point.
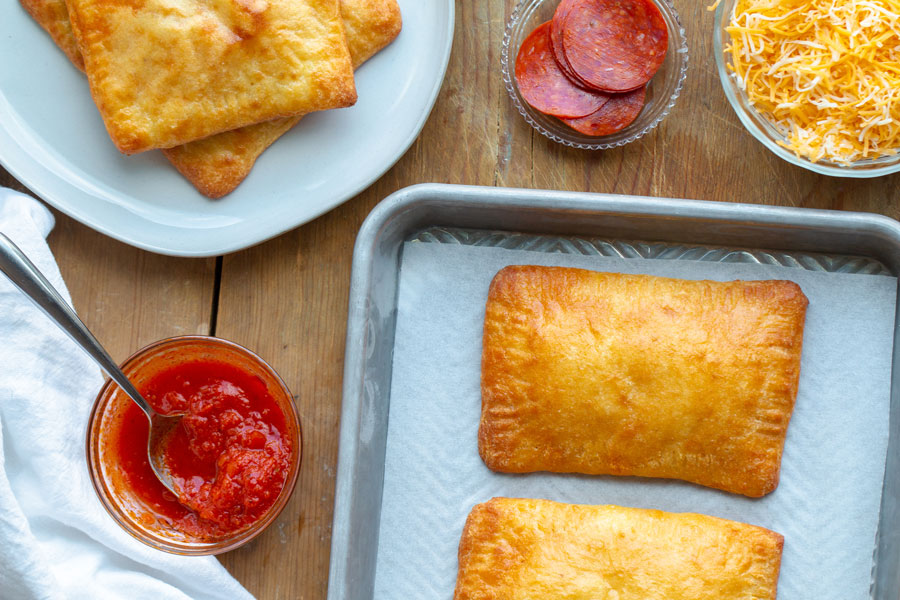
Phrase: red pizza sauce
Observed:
(229, 457)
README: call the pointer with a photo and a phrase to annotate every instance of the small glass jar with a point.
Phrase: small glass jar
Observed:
(127, 508)
(662, 90)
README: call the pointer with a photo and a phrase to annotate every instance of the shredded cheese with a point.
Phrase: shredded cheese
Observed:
(826, 73)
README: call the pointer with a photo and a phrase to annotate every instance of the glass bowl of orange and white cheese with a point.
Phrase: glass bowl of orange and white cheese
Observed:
(815, 81)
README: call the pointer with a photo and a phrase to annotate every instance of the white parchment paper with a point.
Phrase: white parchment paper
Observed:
(827, 503)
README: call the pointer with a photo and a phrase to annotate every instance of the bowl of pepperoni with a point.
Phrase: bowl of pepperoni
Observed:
(594, 74)
(234, 458)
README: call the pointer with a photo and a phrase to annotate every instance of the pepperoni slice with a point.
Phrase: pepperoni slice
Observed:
(545, 87)
(615, 115)
(614, 45)
(559, 17)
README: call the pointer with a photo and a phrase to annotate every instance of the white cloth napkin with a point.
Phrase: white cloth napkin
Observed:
(56, 540)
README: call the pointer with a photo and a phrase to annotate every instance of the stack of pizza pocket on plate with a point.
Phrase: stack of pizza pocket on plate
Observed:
(213, 85)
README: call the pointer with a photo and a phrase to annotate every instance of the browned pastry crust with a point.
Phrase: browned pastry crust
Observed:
(515, 549)
(218, 164)
(165, 73)
(370, 26)
(605, 373)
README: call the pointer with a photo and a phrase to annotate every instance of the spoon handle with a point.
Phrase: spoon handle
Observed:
(22, 272)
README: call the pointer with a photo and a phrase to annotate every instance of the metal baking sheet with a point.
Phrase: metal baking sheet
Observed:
(567, 222)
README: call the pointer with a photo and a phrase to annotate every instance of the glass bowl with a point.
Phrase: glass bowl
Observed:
(765, 132)
(662, 90)
(131, 512)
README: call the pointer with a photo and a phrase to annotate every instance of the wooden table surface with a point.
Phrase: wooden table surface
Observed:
(287, 298)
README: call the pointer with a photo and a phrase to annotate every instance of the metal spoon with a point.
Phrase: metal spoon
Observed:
(33, 284)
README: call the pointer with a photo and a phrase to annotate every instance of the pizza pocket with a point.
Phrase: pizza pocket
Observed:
(536, 550)
(163, 73)
(606, 373)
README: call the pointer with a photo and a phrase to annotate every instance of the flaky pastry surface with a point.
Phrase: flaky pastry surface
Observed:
(605, 373)
(166, 72)
(516, 549)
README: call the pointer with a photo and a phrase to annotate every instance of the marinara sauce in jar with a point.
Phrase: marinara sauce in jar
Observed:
(234, 458)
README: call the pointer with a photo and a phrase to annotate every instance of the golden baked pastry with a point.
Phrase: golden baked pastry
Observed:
(370, 25)
(218, 164)
(540, 550)
(605, 373)
(164, 73)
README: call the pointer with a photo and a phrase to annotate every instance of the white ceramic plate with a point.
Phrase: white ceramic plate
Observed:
(53, 140)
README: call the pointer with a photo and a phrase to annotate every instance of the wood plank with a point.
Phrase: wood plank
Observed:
(280, 300)
(287, 299)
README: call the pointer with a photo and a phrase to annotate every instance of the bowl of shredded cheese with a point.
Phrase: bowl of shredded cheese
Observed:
(816, 81)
